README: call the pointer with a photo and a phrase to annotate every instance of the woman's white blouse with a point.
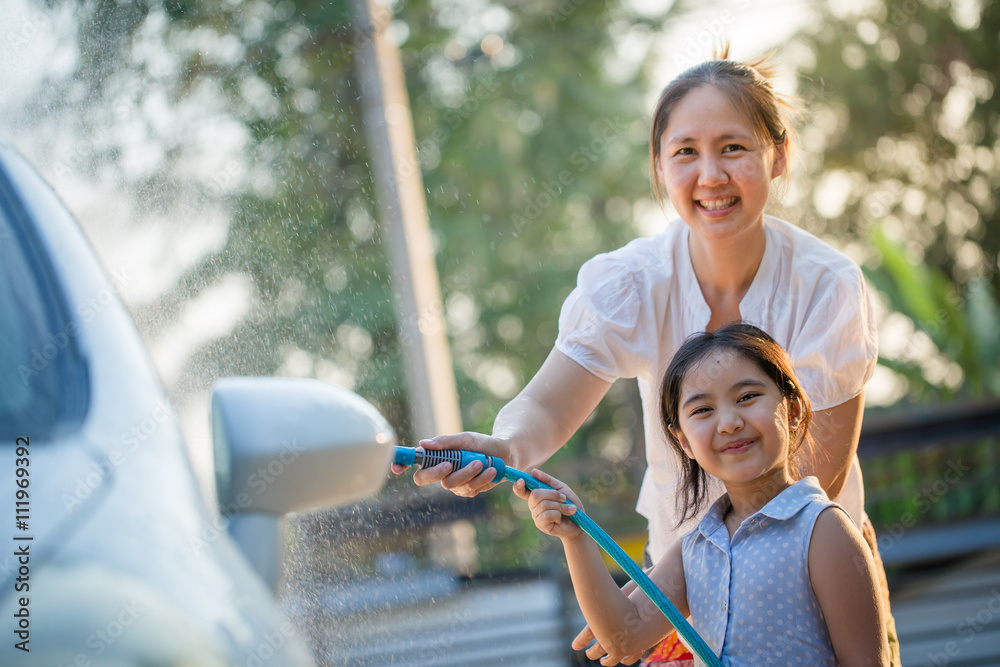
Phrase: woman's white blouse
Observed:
(633, 307)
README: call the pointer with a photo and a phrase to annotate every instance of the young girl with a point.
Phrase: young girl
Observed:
(775, 572)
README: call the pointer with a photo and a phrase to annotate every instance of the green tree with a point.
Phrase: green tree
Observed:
(903, 136)
(532, 137)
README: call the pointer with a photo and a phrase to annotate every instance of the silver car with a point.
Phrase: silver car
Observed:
(111, 556)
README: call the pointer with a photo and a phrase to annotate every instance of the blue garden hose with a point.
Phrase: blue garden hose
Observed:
(460, 458)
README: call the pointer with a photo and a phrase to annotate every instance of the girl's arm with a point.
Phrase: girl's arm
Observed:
(623, 625)
(842, 574)
(527, 431)
(835, 432)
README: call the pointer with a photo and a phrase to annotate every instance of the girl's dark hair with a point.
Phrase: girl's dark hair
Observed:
(746, 84)
(754, 345)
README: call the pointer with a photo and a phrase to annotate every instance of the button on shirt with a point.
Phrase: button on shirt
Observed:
(750, 597)
(633, 308)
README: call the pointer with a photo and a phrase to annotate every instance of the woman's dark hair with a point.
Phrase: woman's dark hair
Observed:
(754, 345)
(747, 85)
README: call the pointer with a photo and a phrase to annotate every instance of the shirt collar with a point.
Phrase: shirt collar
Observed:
(787, 504)
(783, 506)
(761, 288)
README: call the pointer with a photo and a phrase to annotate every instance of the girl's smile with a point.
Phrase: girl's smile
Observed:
(737, 447)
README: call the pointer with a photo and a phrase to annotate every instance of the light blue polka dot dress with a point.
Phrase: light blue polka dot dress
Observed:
(750, 597)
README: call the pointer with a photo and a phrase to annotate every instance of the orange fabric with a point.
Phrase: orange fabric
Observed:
(670, 652)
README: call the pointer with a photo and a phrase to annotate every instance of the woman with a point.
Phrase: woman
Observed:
(718, 140)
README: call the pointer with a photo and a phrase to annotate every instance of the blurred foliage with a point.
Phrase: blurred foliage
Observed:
(903, 132)
(955, 348)
(531, 131)
(531, 123)
(523, 152)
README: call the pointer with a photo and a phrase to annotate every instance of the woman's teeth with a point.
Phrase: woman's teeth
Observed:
(716, 204)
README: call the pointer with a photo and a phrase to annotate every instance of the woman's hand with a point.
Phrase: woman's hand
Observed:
(548, 506)
(527, 431)
(470, 480)
(596, 652)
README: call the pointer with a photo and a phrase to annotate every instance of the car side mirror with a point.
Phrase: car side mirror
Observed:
(291, 445)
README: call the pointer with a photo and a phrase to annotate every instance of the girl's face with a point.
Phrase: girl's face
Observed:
(717, 174)
(733, 418)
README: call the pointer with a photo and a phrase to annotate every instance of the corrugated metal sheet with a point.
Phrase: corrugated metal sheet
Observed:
(520, 623)
(951, 615)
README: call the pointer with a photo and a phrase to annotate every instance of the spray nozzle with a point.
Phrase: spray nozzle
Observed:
(459, 458)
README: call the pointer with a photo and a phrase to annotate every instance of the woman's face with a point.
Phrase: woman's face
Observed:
(717, 174)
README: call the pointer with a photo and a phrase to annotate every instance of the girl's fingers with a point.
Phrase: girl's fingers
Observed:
(546, 478)
(546, 513)
(549, 517)
(545, 495)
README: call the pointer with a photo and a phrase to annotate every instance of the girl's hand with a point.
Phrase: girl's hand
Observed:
(548, 506)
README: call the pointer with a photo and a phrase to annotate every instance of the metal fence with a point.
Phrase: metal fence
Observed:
(931, 481)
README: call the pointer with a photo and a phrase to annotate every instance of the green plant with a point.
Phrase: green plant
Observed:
(962, 323)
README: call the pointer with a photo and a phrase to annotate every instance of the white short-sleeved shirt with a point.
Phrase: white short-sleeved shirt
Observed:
(633, 308)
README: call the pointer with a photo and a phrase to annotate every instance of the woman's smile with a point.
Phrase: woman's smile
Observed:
(717, 206)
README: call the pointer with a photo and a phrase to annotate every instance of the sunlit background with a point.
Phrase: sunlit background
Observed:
(213, 151)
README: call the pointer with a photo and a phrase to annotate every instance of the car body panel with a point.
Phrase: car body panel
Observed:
(117, 489)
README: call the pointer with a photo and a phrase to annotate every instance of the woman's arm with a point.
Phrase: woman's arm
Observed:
(835, 433)
(527, 431)
(842, 574)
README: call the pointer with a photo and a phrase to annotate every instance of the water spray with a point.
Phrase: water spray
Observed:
(459, 458)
